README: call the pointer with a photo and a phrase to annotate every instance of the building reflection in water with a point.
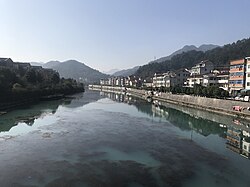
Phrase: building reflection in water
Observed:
(238, 138)
(118, 97)
(236, 133)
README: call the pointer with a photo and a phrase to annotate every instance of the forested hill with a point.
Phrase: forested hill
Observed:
(219, 56)
(76, 70)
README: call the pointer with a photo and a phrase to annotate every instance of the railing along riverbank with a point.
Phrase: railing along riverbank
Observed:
(219, 106)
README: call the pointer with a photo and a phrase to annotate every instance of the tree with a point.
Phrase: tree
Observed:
(31, 76)
(220, 56)
(198, 89)
(55, 78)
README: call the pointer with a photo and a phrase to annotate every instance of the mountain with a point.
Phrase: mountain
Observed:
(76, 70)
(126, 72)
(207, 47)
(36, 63)
(220, 56)
(51, 64)
(110, 72)
(186, 48)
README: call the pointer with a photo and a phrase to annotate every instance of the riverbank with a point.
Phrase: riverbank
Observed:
(219, 106)
(17, 102)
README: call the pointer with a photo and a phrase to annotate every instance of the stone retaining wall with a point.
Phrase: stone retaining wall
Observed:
(220, 106)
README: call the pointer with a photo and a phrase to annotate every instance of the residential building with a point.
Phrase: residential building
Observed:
(247, 83)
(119, 81)
(133, 81)
(6, 63)
(216, 79)
(147, 84)
(223, 81)
(164, 80)
(245, 147)
(181, 76)
(246, 133)
(102, 81)
(202, 74)
(204, 67)
(237, 76)
(114, 81)
(24, 66)
(111, 81)
(195, 79)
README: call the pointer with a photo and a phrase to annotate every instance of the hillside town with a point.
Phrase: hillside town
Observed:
(234, 78)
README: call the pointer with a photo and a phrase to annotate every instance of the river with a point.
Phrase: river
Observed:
(99, 139)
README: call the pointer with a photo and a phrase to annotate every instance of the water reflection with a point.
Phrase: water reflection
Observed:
(236, 132)
(22, 119)
(107, 143)
(238, 140)
(27, 114)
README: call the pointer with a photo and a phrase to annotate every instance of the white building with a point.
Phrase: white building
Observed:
(220, 80)
(164, 80)
(204, 67)
(245, 148)
(208, 76)
(195, 79)
(247, 82)
(246, 133)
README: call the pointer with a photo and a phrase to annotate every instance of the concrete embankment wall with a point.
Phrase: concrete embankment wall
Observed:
(220, 106)
(107, 88)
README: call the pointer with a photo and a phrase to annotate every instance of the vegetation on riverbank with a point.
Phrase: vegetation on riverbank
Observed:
(21, 84)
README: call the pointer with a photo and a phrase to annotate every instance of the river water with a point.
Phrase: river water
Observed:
(101, 139)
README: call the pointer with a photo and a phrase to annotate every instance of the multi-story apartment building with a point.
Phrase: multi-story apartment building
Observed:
(195, 79)
(237, 76)
(164, 80)
(204, 67)
(214, 79)
(170, 78)
(197, 73)
(247, 82)
(245, 147)
(181, 76)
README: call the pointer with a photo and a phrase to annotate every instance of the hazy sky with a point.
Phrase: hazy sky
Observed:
(107, 34)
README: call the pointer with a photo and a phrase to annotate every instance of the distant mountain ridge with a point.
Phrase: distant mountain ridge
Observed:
(51, 64)
(126, 72)
(220, 56)
(76, 70)
(186, 48)
(111, 72)
(79, 71)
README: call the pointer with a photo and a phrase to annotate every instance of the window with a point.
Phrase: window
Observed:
(239, 82)
(248, 83)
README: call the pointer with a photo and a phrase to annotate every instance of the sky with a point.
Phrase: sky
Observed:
(116, 34)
